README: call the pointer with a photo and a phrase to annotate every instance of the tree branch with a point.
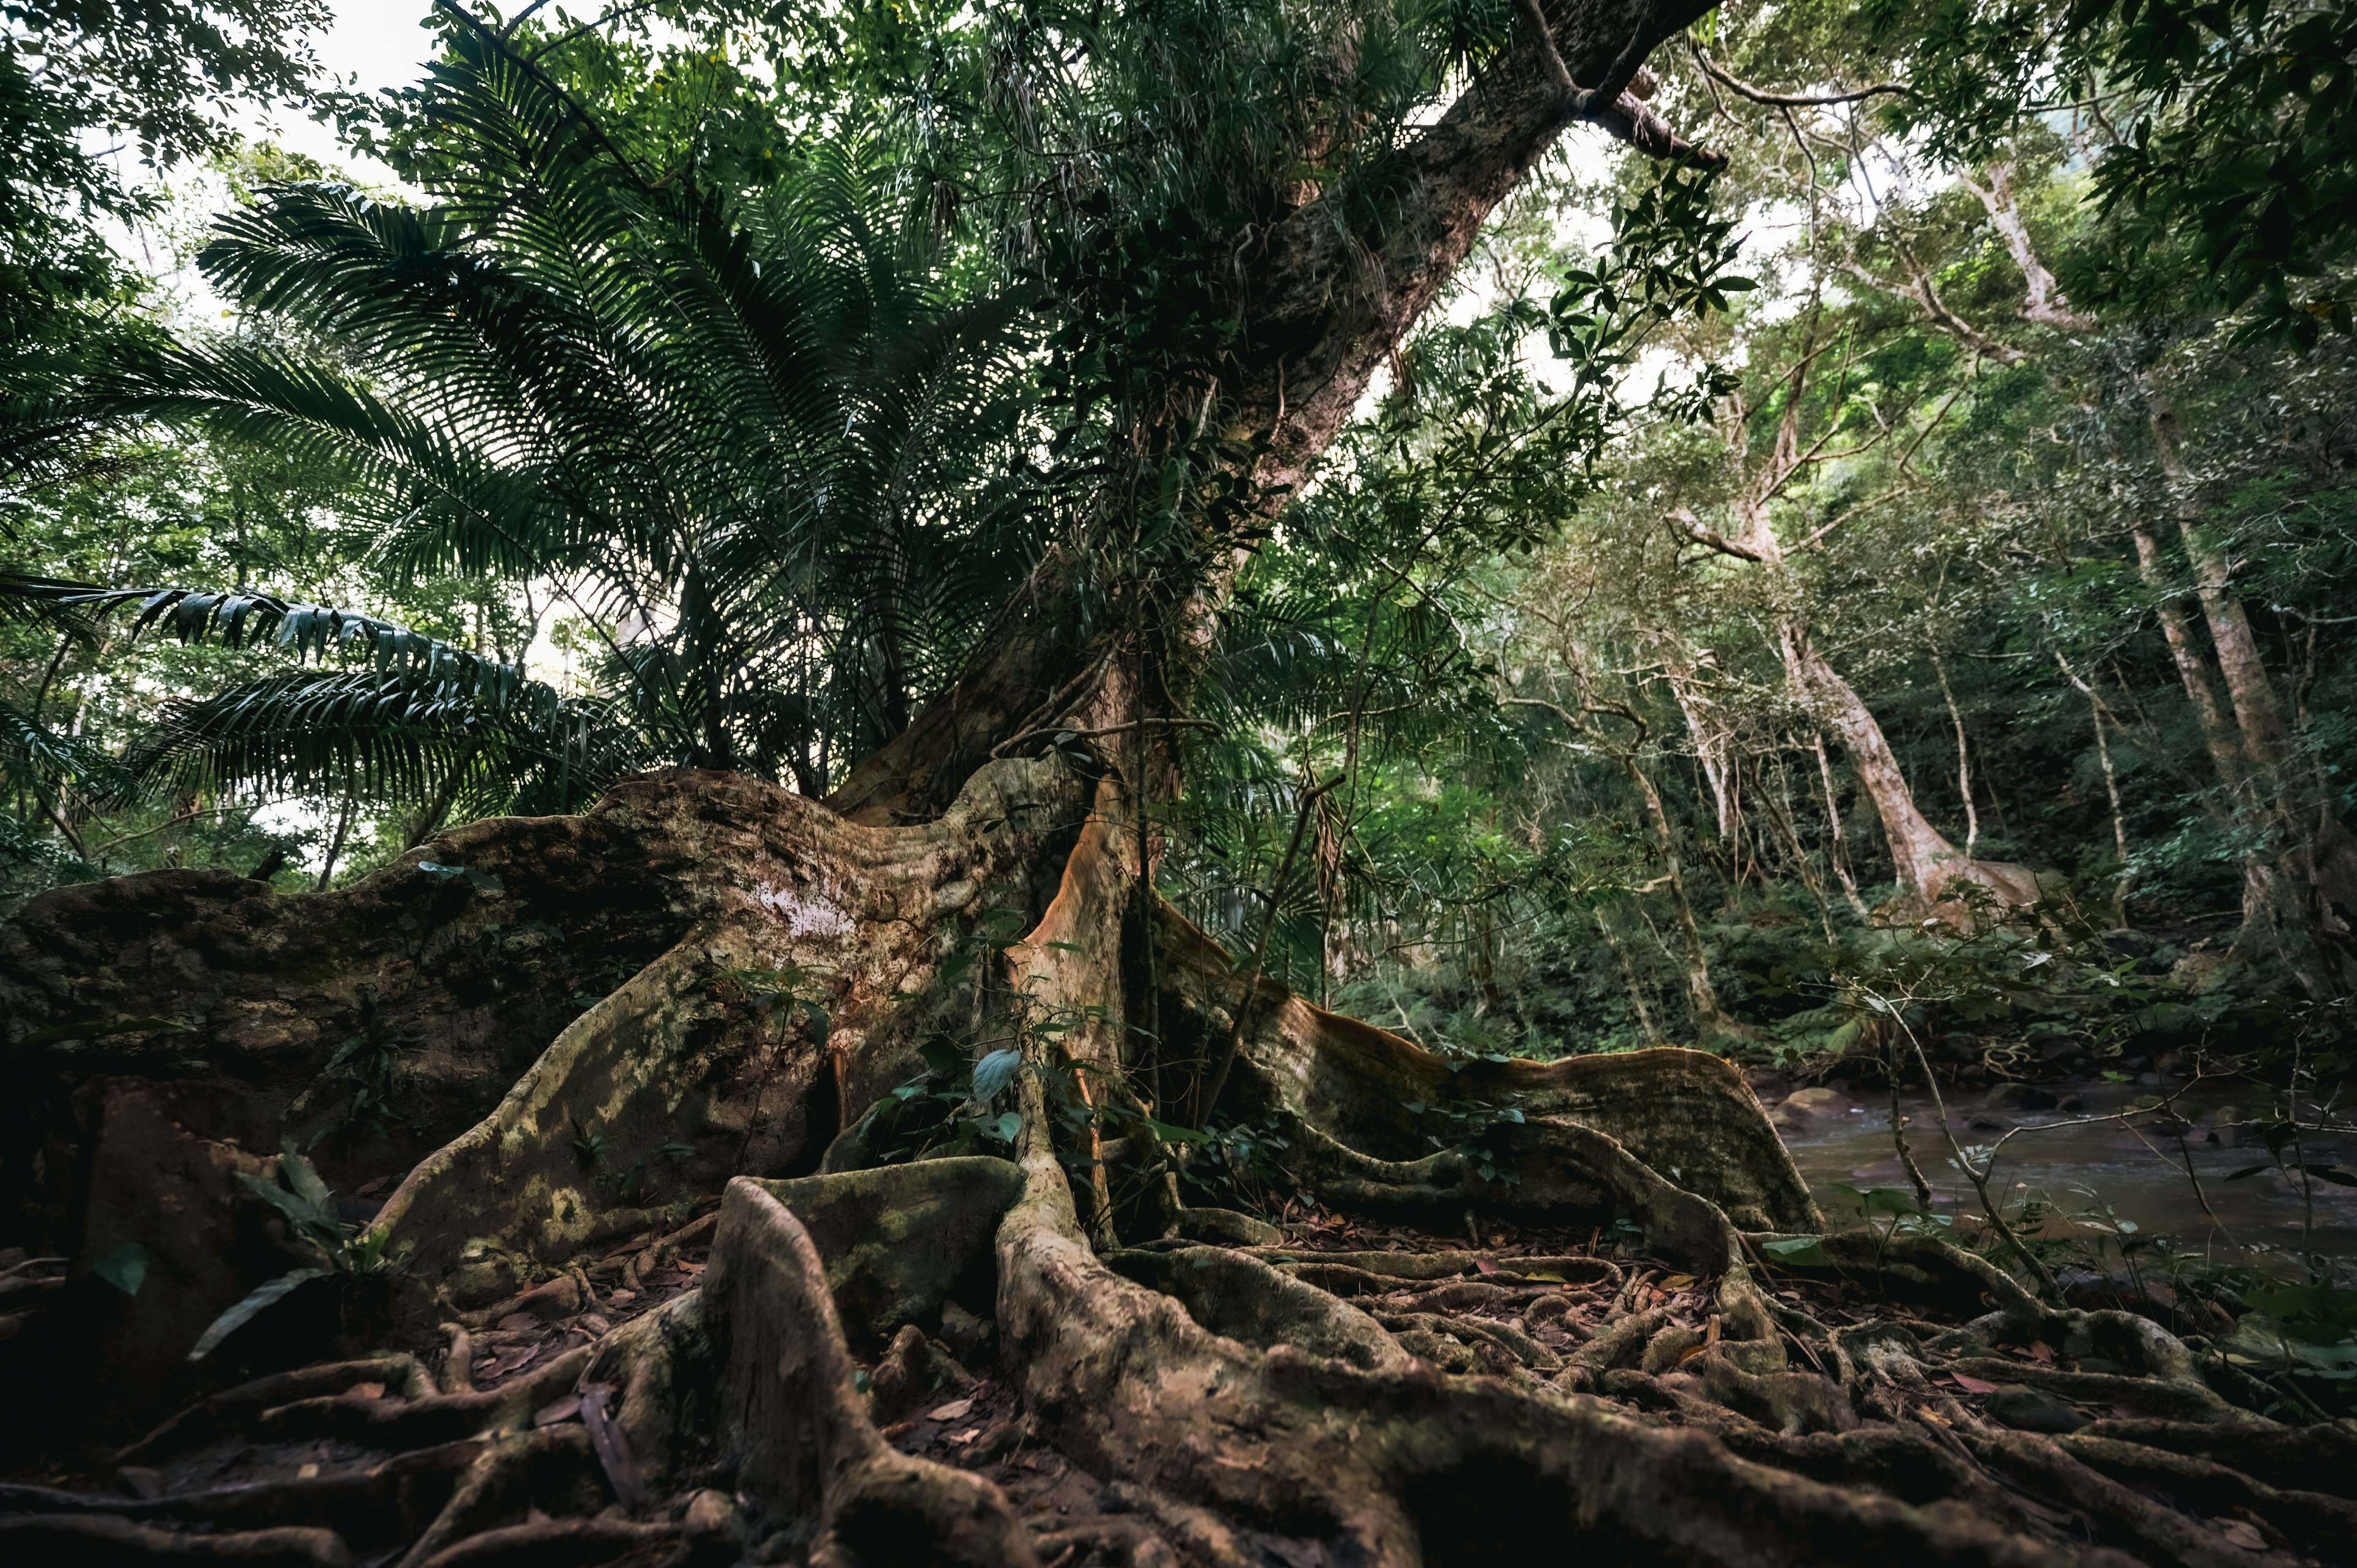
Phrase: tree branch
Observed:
(1787, 99)
(1948, 321)
(1682, 521)
(1611, 106)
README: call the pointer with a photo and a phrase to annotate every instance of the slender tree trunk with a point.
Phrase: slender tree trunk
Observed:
(2192, 668)
(1710, 1018)
(1780, 812)
(1837, 850)
(1963, 758)
(2097, 713)
(1710, 741)
(336, 845)
(1926, 862)
(2302, 880)
(1628, 978)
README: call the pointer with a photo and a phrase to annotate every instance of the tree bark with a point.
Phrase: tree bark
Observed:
(1329, 289)
(2301, 886)
(1926, 863)
(709, 988)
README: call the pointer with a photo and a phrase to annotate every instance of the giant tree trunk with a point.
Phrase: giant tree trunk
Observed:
(1228, 1400)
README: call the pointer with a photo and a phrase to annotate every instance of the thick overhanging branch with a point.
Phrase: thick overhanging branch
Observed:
(1616, 102)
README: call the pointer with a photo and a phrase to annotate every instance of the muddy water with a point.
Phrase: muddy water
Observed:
(2082, 1170)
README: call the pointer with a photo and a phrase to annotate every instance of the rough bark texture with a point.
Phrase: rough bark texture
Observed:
(664, 1288)
(1247, 1398)
(1327, 297)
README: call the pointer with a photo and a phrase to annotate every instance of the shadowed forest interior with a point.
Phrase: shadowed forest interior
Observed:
(1177, 781)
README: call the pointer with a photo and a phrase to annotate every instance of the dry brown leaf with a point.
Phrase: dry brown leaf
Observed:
(565, 1409)
(950, 1411)
(367, 1391)
(2243, 1535)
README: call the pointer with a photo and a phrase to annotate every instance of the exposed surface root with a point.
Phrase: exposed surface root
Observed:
(95, 1540)
(982, 1362)
(789, 1405)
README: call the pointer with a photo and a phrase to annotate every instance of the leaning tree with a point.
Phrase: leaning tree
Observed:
(561, 1031)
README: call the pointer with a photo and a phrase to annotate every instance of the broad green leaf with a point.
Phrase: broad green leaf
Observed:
(1169, 1135)
(261, 1296)
(994, 1072)
(125, 1268)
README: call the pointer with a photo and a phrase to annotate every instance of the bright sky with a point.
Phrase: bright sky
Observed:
(372, 44)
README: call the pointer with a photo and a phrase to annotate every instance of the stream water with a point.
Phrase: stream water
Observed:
(2101, 1174)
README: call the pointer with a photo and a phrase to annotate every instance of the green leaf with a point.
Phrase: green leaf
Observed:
(303, 1178)
(1008, 1124)
(482, 879)
(261, 1296)
(317, 1224)
(819, 1021)
(942, 1055)
(1169, 1135)
(994, 1072)
(125, 1268)
(1801, 1251)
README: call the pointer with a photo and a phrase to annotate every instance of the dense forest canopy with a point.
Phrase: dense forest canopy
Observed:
(1020, 574)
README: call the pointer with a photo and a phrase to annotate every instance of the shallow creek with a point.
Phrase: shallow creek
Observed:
(2082, 1170)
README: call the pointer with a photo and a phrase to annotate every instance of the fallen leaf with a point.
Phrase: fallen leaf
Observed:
(2042, 1353)
(1971, 1385)
(1925, 1412)
(1546, 1279)
(515, 1320)
(565, 1409)
(311, 1473)
(367, 1391)
(1484, 1266)
(515, 1360)
(373, 1183)
(2243, 1535)
(971, 1433)
(1677, 1282)
(950, 1410)
(613, 1447)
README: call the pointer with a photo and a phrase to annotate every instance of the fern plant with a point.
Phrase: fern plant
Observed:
(760, 441)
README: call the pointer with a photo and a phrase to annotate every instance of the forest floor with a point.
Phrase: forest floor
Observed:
(1505, 1301)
